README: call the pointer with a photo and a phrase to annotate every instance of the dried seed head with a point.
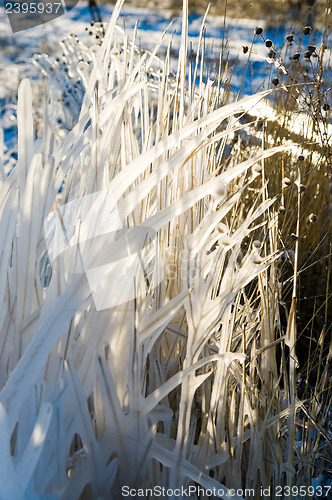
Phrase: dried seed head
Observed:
(218, 192)
(312, 218)
(275, 81)
(296, 56)
(281, 210)
(245, 49)
(256, 259)
(303, 188)
(271, 54)
(307, 30)
(256, 244)
(307, 54)
(326, 107)
(286, 182)
(259, 30)
(257, 169)
(300, 158)
(287, 256)
(311, 48)
(82, 66)
(294, 237)
(290, 38)
(225, 240)
(268, 43)
(222, 228)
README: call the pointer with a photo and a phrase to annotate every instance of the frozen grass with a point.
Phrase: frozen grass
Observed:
(178, 367)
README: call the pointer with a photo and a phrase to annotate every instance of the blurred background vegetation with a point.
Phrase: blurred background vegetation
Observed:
(273, 11)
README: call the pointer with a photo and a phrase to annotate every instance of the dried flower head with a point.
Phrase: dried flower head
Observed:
(300, 158)
(275, 81)
(281, 210)
(222, 228)
(268, 43)
(307, 30)
(225, 240)
(245, 49)
(326, 106)
(311, 48)
(312, 218)
(290, 38)
(259, 30)
(257, 169)
(218, 191)
(296, 56)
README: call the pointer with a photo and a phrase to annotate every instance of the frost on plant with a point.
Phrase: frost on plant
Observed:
(139, 309)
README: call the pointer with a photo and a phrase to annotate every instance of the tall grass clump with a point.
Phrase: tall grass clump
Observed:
(301, 72)
(142, 340)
